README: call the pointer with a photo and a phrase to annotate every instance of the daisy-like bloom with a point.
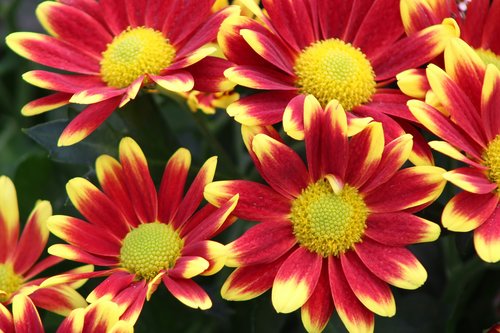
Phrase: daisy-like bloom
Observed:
(478, 27)
(333, 49)
(469, 124)
(142, 237)
(19, 264)
(112, 48)
(332, 234)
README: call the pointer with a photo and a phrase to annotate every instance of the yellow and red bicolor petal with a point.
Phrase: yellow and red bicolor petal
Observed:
(490, 99)
(256, 202)
(194, 195)
(40, 266)
(111, 287)
(487, 238)
(187, 267)
(261, 109)
(172, 184)
(281, 167)
(413, 82)
(441, 126)
(242, 285)
(191, 58)
(178, 81)
(45, 104)
(6, 320)
(87, 121)
(65, 22)
(316, 312)
(418, 15)
(355, 316)
(415, 50)
(100, 316)
(58, 299)
(296, 280)
(132, 90)
(188, 292)
(215, 253)
(448, 150)
(263, 243)
(369, 289)
(62, 82)
(335, 133)
(259, 78)
(395, 154)
(466, 211)
(9, 218)
(112, 180)
(34, 238)
(248, 133)
(96, 207)
(131, 300)
(86, 236)
(206, 228)
(394, 265)
(25, 316)
(410, 187)
(471, 180)
(310, 116)
(96, 94)
(138, 180)
(74, 253)
(365, 153)
(74, 276)
(208, 75)
(52, 52)
(457, 103)
(293, 118)
(400, 229)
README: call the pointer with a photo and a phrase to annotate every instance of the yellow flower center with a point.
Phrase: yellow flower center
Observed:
(9, 281)
(489, 57)
(328, 223)
(491, 157)
(133, 53)
(331, 69)
(149, 248)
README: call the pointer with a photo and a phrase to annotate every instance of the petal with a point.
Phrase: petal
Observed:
(282, 168)
(178, 81)
(418, 15)
(448, 150)
(335, 147)
(355, 316)
(40, 266)
(72, 277)
(215, 253)
(96, 207)
(263, 243)
(71, 252)
(466, 211)
(313, 119)
(400, 229)
(111, 287)
(6, 321)
(138, 180)
(187, 267)
(131, 300)
(471, 180)
(413, 82)
(259, 78)
(296, 280)
(410, 187)
(172, 184)
(394, 265)
(62, 82)
(100, 317)
(132, 90)
(115, 15)
(87, 122)
(25, 315)
(370, 290)
(58, 299)
(293, 117)
(256, 202)
(208, 75)
(34, 237)
(487, 238)
(45, 104)
(188, 292)
(490, 99)
(9, 218)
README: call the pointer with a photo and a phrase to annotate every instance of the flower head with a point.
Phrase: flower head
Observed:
(332, 234)
(109, 49)
(140, 236)
(469, 123)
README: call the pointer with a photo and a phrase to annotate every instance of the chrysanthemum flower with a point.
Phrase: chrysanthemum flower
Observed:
(332, 234)
(140, 236)
(115, 47)
(469, 124)
(19, 263)
(343, 50)
(478, 27)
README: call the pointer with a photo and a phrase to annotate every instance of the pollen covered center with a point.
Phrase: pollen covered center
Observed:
(150, 248)
(489, 57)
(331, 69)
(328, 223)
(9, 281)
(135, 52)
(491, 157)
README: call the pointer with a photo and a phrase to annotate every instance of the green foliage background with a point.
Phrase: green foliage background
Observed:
(462, 294)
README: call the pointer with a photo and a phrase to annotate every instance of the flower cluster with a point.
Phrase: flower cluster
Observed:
(336, 101)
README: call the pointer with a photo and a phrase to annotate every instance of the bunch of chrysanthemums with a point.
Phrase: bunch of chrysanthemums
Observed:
(359, 85)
